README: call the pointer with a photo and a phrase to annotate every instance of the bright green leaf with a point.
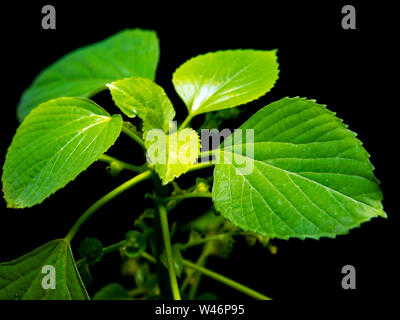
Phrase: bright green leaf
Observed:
(145, 99)
(225, 79)
(57, 141)
(309, 176)
(30, 277)
(173, 154)
(86, 71)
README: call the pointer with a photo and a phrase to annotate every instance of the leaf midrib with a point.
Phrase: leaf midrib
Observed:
(79, 133)
(378, 211)
(203, 104)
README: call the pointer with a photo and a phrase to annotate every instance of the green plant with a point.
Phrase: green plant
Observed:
(297, 172)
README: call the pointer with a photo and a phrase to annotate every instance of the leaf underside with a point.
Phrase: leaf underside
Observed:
(57, 141)
(86, 71)
(311, 176)
(22, 277)
(225, 79)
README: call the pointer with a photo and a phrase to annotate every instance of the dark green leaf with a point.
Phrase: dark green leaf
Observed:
(22, 278)
(86, 71)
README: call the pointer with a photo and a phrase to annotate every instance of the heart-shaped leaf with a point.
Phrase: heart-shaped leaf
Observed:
(144, 98)
(56, 141)
(86, 71)
(225, 79)
(47, 273)
(308, 177)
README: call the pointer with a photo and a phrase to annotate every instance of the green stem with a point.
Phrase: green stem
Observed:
(189, 195)
(124, 165)
(149, 257)
(131, 133)
(197, 275)
(191, 272)
(218, 236)
(114, 247)
(136, 292)
(175, 202)
(229, 282)
(218, 277)
(168, 250)
(106, 250)
(214, 275)
(186, 121)
(201, 165)
(102, 201)
(206, 239)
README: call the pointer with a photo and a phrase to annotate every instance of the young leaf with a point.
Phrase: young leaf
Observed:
(32, 276)
(145, 99)
(173, 154)
(57, 141)
(85, 71)
(225, 79)
(309, 176)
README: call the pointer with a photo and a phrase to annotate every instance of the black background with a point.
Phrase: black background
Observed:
(344, 69)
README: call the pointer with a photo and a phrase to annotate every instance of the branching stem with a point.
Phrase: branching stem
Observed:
(218, 236)
(186, 121)
(211, 274)
(124, 165)
(218, 277)
(189, 195)
(201, 165)
(168, 250)
(229, 282)
(201, 261)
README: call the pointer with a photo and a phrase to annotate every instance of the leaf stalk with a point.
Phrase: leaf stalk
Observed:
(132, 134)
(124, 165)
